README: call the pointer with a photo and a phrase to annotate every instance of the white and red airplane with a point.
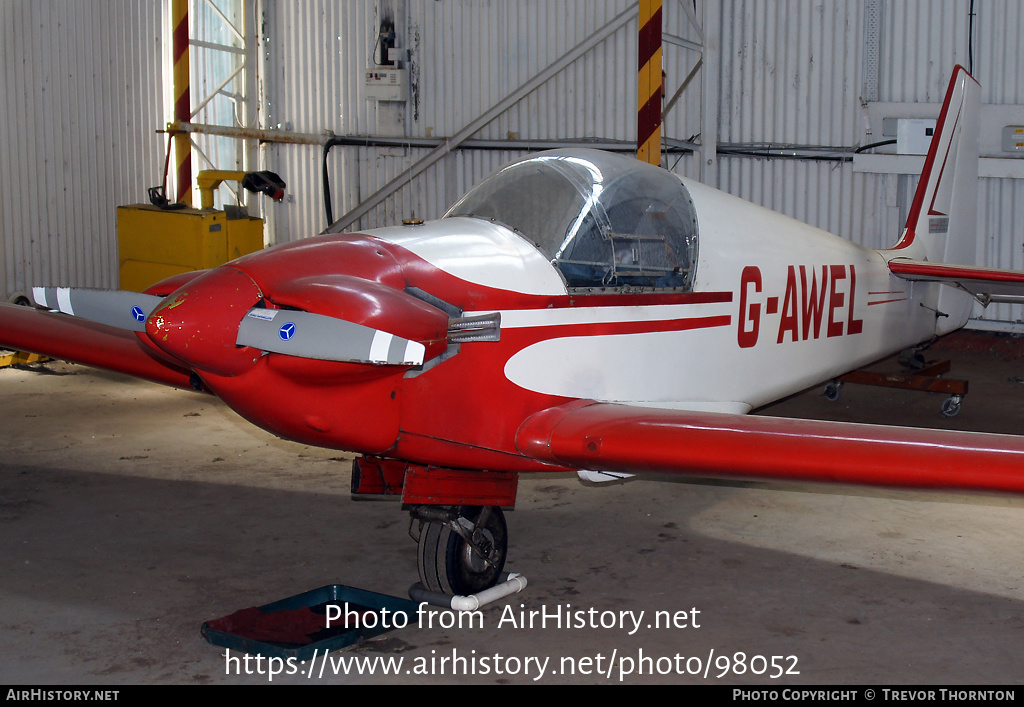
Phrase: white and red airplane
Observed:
(576, 310)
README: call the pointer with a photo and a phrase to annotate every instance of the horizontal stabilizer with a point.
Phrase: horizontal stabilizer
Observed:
(309, 335)
(990, 284)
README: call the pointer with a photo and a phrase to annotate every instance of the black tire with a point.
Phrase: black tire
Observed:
(832, 391)
(447, 564)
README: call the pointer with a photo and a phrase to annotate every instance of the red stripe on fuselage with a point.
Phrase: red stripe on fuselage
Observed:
(559, 331)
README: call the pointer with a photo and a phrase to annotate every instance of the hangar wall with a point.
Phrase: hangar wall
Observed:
(795, 73)
(81, 96)
(82, 106)
(465, 57)
(790, 73)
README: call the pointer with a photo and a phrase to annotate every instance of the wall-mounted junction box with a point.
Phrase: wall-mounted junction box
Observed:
(1000, 139)
(1013, 138)
(914, 135)
(387, 84)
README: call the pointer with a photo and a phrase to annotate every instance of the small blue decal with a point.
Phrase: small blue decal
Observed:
(138, 314)
(287, 331)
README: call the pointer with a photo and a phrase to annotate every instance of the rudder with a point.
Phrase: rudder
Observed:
(942, 223)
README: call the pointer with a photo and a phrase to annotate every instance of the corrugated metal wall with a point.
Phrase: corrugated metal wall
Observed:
(794, 72)
(791, 72)
(81, 95)
(466, 56)
(913, 30)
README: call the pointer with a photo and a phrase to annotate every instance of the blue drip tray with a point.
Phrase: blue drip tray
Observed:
(297, 627)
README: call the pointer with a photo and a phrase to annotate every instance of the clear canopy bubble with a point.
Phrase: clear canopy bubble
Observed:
(603, 220)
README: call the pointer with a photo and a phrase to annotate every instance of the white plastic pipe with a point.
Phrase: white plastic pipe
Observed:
(514, 583)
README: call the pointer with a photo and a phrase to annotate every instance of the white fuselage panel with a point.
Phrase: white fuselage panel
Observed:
(796, 307)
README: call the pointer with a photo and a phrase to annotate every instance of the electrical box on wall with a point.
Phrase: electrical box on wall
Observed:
(914, 135)
(387, 84)
(1013, 138)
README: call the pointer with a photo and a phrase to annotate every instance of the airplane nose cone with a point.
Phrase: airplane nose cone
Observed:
(198, 324)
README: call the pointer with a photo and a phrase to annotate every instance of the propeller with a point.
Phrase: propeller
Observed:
(116, 308)
(318, 336)
(196, 325)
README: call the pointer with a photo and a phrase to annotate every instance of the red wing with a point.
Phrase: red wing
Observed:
(70, 339)
(996, 284)
(622, 438)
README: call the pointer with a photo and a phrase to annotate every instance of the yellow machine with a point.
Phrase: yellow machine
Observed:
(157, 241)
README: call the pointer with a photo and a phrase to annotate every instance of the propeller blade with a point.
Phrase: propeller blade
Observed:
(116, 308)
(326, 338)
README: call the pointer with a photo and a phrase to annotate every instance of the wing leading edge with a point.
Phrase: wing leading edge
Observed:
(621, 438)
(85, 342)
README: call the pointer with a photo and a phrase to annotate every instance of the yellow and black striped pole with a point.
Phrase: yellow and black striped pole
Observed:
(182, 101)
(648, 121)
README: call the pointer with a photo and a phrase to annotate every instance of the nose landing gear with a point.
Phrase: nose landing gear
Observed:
(461, 549)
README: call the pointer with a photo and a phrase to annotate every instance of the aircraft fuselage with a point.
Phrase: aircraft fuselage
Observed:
(776, 306)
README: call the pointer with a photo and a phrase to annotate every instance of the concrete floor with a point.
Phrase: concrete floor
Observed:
(130, 514)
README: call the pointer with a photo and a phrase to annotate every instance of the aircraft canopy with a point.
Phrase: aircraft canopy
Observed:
(605, 221)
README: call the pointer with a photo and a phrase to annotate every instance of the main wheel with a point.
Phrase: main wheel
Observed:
(450, 565)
